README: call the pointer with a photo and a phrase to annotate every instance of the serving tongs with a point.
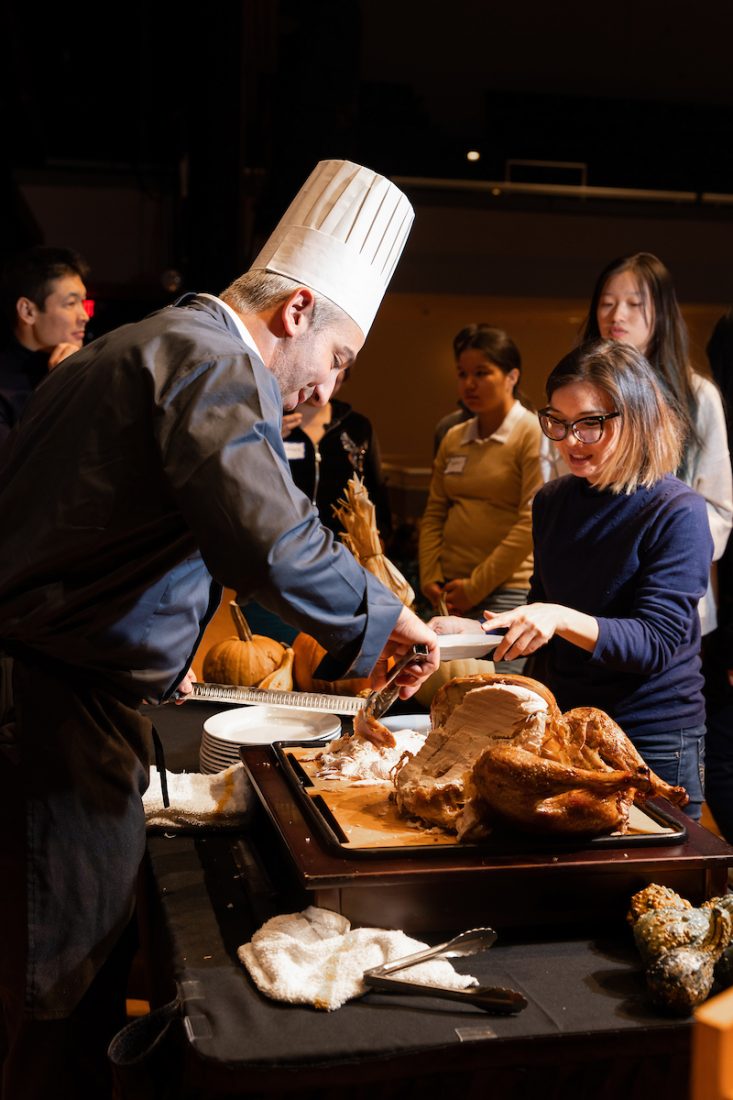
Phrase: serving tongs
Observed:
(497, 999)
(377, 702)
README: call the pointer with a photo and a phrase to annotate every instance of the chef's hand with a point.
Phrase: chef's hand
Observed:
(455, 597)
(61, 352)
(290, 421)
(408, 631)
(185, 688)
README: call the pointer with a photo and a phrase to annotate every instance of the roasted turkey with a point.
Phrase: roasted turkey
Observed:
(500, 750)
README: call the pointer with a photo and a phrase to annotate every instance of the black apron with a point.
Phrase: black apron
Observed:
(73, 768)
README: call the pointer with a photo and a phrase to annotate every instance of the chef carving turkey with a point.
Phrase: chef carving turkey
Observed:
(141, 479)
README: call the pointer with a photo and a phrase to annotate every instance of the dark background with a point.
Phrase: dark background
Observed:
(220, 117)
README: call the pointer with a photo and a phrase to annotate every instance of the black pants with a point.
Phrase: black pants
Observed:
(71, 840)
(67, 1058)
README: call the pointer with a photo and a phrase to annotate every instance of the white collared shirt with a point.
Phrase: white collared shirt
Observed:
(502, 433)
(241, 327)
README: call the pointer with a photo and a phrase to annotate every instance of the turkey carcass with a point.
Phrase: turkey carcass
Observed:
(501, 751)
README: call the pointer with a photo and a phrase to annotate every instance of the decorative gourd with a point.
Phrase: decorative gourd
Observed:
(681, 979)
(243, 660)
(308, 654)
(662, 930)
(282, 678)
(679, 945)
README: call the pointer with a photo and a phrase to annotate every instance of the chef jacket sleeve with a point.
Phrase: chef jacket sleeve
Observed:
(222, 452)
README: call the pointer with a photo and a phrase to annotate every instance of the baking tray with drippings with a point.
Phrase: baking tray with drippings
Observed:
(361, 820)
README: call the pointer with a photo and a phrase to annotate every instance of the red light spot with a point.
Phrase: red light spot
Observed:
(88, 304)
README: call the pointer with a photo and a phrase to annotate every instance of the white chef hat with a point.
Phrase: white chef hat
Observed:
(342, 236)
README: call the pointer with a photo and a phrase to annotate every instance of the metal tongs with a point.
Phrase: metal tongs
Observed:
(377, 702)
(491, 998)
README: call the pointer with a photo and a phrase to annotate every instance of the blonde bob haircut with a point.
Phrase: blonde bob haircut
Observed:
(651, 438)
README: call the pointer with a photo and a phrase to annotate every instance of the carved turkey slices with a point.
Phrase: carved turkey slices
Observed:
(500, 751)
(468, 714)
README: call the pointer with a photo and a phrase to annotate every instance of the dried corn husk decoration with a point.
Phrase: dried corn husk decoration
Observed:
(356, 513)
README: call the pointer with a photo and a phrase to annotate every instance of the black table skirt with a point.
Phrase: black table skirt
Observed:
(589, 1030)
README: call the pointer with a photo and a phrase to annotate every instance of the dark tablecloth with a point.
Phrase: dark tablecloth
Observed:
(589, 1030)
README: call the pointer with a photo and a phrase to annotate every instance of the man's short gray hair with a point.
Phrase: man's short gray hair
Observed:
(260, 290)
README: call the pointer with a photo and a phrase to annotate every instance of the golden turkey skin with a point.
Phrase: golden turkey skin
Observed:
(500, 751)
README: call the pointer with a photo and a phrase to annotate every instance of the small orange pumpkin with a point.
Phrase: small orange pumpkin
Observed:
(308, 654)
(243, 660)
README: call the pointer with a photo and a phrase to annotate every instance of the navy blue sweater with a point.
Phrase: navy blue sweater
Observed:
(638, 564)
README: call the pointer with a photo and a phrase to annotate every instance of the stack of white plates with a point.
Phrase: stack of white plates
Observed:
(226, 731)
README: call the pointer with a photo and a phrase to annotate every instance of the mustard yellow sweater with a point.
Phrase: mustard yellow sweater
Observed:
(478, 523)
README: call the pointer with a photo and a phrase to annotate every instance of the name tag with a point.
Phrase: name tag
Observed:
(294, 451)
(455, 464)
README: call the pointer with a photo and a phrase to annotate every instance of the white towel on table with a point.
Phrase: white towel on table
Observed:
(314, 957)
(195, 799)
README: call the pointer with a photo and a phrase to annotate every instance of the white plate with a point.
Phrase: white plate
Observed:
(262, 725)
(418, 722)
(229, 752)
(211, 767)
(212, 763)
(459, 647)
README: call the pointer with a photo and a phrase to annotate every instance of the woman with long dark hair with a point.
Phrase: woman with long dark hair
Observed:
(634, 302)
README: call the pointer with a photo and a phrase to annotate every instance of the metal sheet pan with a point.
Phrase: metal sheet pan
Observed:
(360, 821)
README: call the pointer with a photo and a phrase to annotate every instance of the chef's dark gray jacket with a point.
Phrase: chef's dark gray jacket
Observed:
(150, 462)
(147, 463)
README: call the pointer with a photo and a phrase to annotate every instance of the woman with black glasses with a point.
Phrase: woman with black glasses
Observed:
(622, 552)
